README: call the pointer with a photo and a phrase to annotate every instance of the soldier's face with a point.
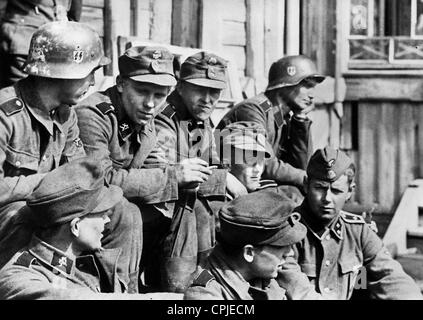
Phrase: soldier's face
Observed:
(300, 96)
(249, 172)
(72, 91)
(268, 260)
(199, 100)
(91, 229)
(327, 199)
(141, 100)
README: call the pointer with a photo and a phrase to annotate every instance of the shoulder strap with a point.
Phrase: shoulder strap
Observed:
(203, 279)
(352, 218)
(11, 106)
(25, 259)
(265, 104)
(105, 107)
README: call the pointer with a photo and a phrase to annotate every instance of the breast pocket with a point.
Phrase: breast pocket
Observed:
(19, 163)
(353, 273)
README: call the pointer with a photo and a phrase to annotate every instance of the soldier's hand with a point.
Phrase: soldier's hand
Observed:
(191, 172)
(234, 187)
(302, 113)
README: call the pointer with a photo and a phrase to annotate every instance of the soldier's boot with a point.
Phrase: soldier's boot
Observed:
(125, 231)
(179, 260)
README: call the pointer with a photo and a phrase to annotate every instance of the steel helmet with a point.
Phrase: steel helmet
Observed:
(65, 50)
(291, 70)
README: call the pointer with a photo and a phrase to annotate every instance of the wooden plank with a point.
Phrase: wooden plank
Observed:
(346, 127)
(211, 33)
(236, 53)
(143, 24)
(185, 23)
(320, 128)
(377, 87)
(161, 27)
(93, 3)
(318, 18)
(419, 143)
(144, 4)
(292, 27)
(117, 23)
(234, 33)
(234, 10)
(94, 18)
(274, 29)
(367, 117)
(255, 40)
(334, 127)
(405, 148)
(386, 156)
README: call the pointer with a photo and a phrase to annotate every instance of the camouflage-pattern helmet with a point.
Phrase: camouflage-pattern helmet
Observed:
(291, 70)
(65, 50)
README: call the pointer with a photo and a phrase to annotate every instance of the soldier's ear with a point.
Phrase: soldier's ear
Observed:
(350, 190)
(305, 185)
(74, 227)
(248, 253)
(119, 84)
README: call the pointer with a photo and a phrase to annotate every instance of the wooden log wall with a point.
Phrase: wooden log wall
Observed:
(382, 129)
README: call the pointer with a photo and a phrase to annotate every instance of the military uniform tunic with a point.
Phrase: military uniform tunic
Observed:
(42, 271)
(288, 137)
(346, 252)
(124, 148)
(32, 141)
(192, 231)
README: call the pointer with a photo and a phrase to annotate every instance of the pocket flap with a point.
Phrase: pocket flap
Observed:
(20, 159)
(349, 264)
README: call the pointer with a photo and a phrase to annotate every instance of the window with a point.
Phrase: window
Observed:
(385, 34)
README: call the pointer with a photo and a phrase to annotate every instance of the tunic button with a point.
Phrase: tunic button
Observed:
(328, 237)
(44, 157)
(327, 262)
(18, 163)
(18, 103)
(327, 289)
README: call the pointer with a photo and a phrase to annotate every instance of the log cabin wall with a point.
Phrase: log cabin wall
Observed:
(382, 129)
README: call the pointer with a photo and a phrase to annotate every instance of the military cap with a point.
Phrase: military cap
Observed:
(73, 190)
(246, 135)
(204, 69)
(260, 218)
(328, 164)
(148, 64)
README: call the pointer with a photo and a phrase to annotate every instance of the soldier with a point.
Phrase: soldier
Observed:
(282, 110)
(39, 132)
(245, 143)
(117, 128)
(257, 231)
(65, 258)
(341, 252)
(184, 132)
(21, 20)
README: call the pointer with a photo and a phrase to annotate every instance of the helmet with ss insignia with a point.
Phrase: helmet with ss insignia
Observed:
(65, 50)
(291, 70)
(151, 64)
(205, 69)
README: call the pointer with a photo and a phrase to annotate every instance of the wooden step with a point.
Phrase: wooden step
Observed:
(412, 265)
